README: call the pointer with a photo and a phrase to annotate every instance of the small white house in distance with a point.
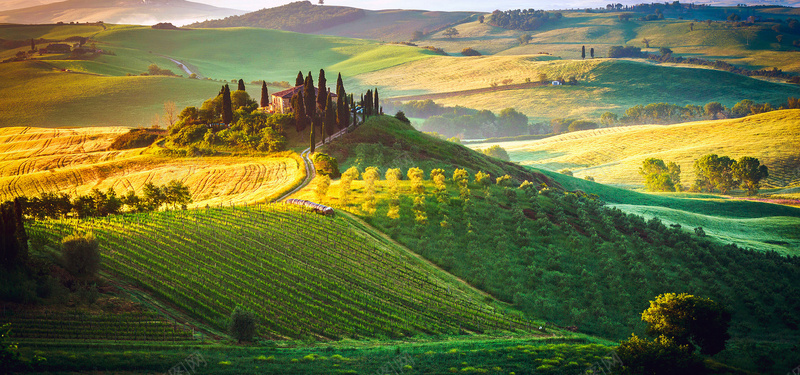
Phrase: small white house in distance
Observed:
(556, 83)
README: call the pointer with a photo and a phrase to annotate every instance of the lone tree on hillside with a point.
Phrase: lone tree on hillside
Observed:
(583, 52)
(451, 32)
(241, 85)
(689, 320)
(749, 171)
(714, 172)
(656, 175)
(591, 52)
(264, 95)
(242, 324)
(646, 42)
(300, 79)
(81, 255)
(227, 111)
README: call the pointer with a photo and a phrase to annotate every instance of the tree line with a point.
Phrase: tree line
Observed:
(665, 113)
(98, 203)
(522, 19)
(464, 122)
(712, 173)
(314, 108)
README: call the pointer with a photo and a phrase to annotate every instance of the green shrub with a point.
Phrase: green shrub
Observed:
(81, 255)
(242, 324)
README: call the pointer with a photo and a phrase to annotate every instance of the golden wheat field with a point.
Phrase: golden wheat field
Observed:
(614, 155)
(75, 161)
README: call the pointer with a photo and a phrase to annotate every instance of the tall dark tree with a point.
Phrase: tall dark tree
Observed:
(342, 112)
(298, 106)
(342, 109)
(583, 52)
(322, 97)
(300, 79)
(376, 109)
(241, 85)
(33, 45)
(264, 95)
(227, 111)
(368, 103)
(312, 139)
(591, 52)
(10, 248)
(330, 117)
(310, 96)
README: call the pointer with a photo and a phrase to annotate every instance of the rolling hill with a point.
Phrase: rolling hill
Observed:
(603, 85)
(321, 279)
(614, 155)
(564, 256)
(391, 25)
(75, 161)
(142, 12)
(299, 16)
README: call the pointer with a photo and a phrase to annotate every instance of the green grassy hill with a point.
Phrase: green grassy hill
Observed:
(571, 260)
(304, 275)
(299, 16)
(37, 93)
(603, 85)
(614, 155)
(396, 25)
(756, 225)
(93, 86)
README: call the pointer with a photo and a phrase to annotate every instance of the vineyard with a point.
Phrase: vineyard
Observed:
(85, 326)
(304, 275)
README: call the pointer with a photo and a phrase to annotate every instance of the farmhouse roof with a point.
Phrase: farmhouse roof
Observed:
(289, 93)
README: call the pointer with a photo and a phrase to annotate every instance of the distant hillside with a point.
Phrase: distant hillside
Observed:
(300, 16)
(144, 12)
(396, 25)
(614, 155)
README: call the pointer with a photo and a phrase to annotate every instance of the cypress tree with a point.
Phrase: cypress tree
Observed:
(342, 112)
(299, 80)
(583, 52)
(323, 90)
(33, 45)
(376, 110)
(330, 116)
(241, 85)
(264, 95)
(227, 111)
(368, 103)
(312, 140)
(591, 52)
(299, 111)
(310, 97)
(340, 86)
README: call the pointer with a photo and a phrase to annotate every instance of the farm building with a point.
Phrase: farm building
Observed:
(281, 101)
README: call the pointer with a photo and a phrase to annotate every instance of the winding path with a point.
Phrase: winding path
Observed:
(182, 66)
(311, 172)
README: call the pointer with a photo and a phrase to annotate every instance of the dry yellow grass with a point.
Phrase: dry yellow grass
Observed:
(75, 161)
(614, 155)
